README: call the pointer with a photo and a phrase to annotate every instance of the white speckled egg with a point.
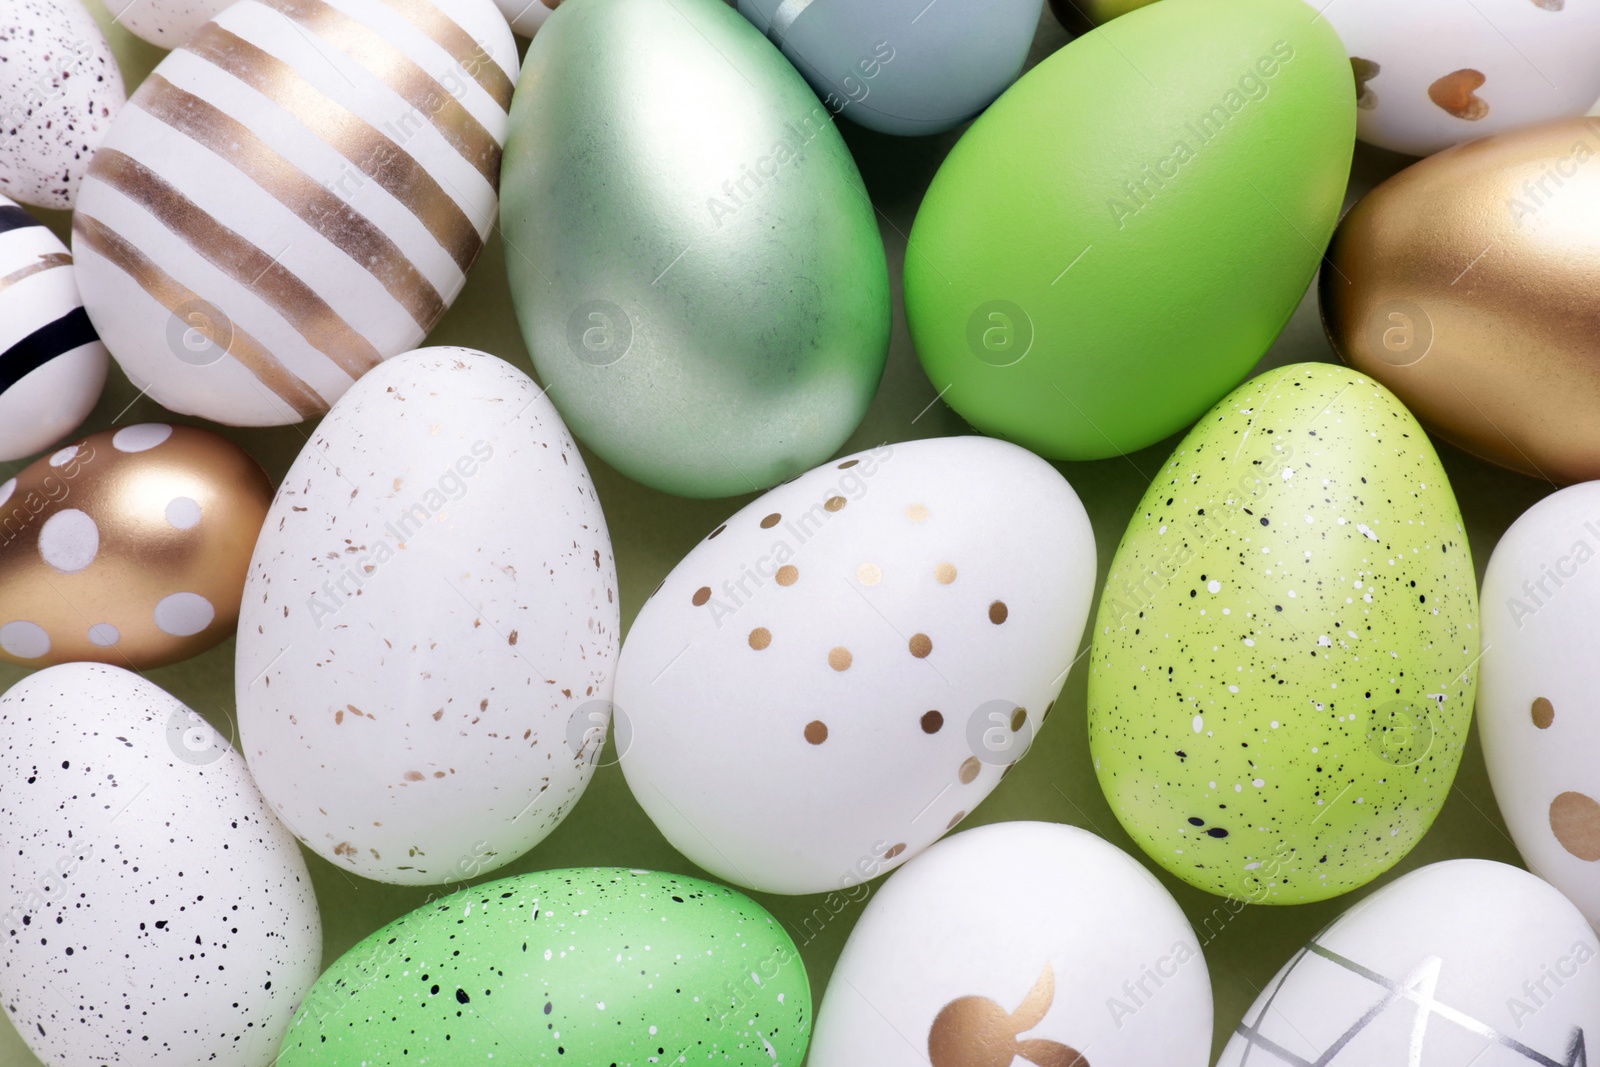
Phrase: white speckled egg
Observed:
(60, 87)
(1022, 942)
(843, 670)
(902, 66)
(526, 16)
(52, 364)
(293, 196)
(429, 624)
(165, 23)
(1461, 962)
(1539, 689)
(1433, 73)
(155, 911)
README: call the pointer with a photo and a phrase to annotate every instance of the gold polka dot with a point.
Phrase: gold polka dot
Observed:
(1575, 820)
(816, 731)
(921, 645)
(998, 612)
(932, 722)
(917, 512)
(957, 817)
(760, 638)
(835, 503)
(788, 574)
(840, 659)
(1544, 713)
(869, 574)
(771, 520)
(1018, 717)
(945, 572)
(1456, 93)
(894, 850)
(702, 595)
(969, 770)
(847, 464)
(712, 535)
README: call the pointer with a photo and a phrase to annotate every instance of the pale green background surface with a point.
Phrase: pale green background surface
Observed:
(652, 531)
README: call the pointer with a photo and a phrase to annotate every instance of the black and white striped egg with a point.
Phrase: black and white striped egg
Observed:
(293, 196)
(154, 910)
(52, 364)
(60, 87)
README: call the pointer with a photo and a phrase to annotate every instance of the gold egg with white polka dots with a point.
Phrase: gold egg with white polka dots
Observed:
(127, 547)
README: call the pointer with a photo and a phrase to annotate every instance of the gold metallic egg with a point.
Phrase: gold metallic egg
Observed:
(129, 547)
(1469, 284)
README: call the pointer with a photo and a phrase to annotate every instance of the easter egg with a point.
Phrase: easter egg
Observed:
(168, 23)
(1281, 679)
(60, 87)
(430, 623)
(1463, 284)
(156, 912)
(293, 196)
(591, 966)
(1117, 241)
(1541, 603)
(1021, 942)
(1433, 73)
(526, 16)
(902, 66)
(127, 547)
(52, 364)
(693, 256)
(1465, 961)
(864, 652)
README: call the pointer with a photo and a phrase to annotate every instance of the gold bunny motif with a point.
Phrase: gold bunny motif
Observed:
(977, 1032)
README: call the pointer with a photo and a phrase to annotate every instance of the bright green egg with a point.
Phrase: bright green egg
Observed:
(1282, 678)
(693, 256)
(580, 968)
(1121, 236)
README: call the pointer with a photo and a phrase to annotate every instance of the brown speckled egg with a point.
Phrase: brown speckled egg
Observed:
(129, 547)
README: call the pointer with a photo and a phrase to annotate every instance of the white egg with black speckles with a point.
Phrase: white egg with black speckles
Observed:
(1282, 674)
(429, 624)
(165, 23)
(60, 87)
(1539, 695)
(155, 911)
(1024, 943)
(1465, 963)
(843, 670)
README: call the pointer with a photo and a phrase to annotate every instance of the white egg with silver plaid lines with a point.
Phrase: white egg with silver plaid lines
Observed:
(155, 912)
(52, 364)
(843, 670)
(293, 196)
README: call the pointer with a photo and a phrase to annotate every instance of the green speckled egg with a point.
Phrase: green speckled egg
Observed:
(1282, 672)
(581, 968)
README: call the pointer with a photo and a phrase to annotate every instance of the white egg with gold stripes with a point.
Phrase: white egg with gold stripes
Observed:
(164, 23)
(52, 365)
(293, 196)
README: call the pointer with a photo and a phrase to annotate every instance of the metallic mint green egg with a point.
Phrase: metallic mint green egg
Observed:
(693, 256)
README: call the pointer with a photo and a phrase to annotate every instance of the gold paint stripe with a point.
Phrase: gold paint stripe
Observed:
(473, 57)
(46, 262)
(241, 260)
(430, 102)
(373, 155)
(340, 224)
(175, 297)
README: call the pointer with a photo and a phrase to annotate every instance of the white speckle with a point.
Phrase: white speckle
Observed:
(1291, 592)
(1324, 642)
(1258, 782)
(140, 438)
(65, 456)
(1367, 531)
(24, 640)
(600, 1004)
(1250, 642)
(69, 541)
(1233, 689)
(1288, 472)
(1253, 866)
(104, 634)
(1198, 724)
(183, 513)
(1213, 586)
(1273, 724)
(184, 614)
(1237, 788)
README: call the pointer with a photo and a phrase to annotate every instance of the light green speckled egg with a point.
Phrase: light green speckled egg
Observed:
(1281, 683)
(580, 968)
